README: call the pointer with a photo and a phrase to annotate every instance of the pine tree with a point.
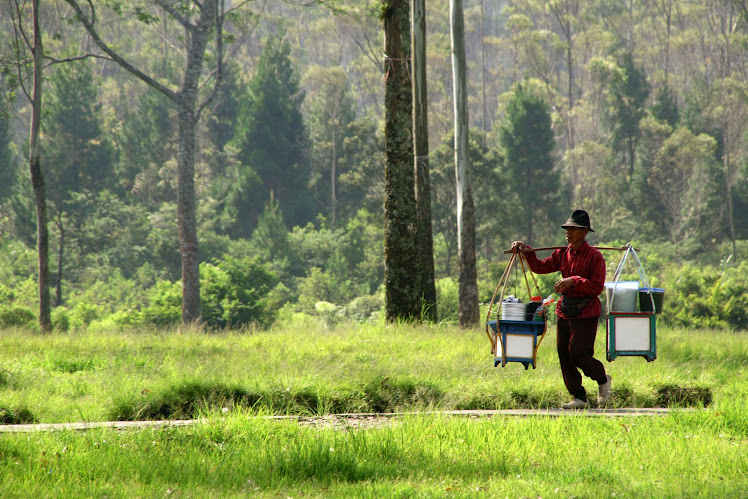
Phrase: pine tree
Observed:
(79, 157)
(272, 143)
(402, 290)
(526, 138)
(146, 143)
(627, 91)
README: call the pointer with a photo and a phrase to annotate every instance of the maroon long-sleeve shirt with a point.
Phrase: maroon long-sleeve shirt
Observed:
(586, 266)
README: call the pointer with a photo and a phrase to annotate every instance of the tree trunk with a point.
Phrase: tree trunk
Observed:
(187, 219)
(186, 199)
(425, 242)
(469, 312)
(60, 252)
(333, 177)
(402, 299)
(196, 36)
(483, 73)
(37, 179)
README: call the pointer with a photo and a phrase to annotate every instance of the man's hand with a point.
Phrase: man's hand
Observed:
(563, 285)
(518, 246)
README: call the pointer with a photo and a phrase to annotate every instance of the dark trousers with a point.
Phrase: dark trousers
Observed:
(575, 341)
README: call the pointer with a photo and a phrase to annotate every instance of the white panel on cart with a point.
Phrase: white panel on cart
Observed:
(519, 345)
(632, 333)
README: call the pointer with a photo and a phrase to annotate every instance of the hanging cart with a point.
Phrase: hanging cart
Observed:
(632, 332)
(512, 338)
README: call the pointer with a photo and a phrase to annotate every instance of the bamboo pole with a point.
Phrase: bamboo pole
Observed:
(532, 250)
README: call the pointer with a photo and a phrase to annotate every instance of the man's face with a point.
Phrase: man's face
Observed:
(575, 235)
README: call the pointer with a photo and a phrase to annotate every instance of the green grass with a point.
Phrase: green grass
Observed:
(309, 370)
(233, 379)
(701, 454)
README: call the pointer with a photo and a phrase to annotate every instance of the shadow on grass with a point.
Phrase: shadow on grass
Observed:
(16, 416)
(190, 400)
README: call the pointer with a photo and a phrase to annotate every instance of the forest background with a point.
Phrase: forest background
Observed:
(634, 111)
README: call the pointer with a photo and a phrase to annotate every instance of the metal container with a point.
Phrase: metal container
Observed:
(513, 311)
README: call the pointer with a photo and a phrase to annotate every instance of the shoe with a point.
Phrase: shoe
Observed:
(576, 404)
(604, 394)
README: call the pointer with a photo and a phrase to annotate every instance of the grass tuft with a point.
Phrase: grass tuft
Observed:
(672, 395)
(183, 401)
(391, 396)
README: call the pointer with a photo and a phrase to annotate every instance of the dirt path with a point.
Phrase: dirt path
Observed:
(350, 421)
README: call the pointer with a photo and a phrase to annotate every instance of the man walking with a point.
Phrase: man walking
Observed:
(582, 280)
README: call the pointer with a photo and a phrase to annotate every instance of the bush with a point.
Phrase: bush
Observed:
(61, 319)
(363, 308)
(447, 300)
(16, 416)
(165, 304)
(15, 316)
(6, 294)
(238, 292)
(83, 314)
(706, 296)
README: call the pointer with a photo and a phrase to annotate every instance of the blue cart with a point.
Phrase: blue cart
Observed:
(514, 340)
(517, 341)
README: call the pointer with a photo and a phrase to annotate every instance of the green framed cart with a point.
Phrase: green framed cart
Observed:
(631, 332)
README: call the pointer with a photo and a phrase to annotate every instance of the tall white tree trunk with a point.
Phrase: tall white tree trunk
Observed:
(424, 234)
(469, 312)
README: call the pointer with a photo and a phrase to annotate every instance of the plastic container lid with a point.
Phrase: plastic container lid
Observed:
(622, 284)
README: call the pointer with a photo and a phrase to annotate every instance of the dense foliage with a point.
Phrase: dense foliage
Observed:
(638, 115)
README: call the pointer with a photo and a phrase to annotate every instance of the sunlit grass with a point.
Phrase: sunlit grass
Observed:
(372, 368)
(680, 455)
(233, 380)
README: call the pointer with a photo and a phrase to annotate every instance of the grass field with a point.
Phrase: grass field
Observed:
(232, 379)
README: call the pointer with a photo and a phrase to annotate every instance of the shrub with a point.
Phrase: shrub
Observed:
(363, 308)
(238, 292)
(83, 314)
(706, 296)
(61, 319)
(6, 294)
(16, 416)
(165, 304)
(15, 316)
(447, 299)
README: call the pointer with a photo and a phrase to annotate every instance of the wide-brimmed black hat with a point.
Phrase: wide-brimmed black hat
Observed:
(579, 218)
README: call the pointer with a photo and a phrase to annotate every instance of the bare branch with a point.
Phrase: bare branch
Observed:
(19, 16)
(174, 13)
(53, 61)
(239, 6)
(88, 24)
(19, 34)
